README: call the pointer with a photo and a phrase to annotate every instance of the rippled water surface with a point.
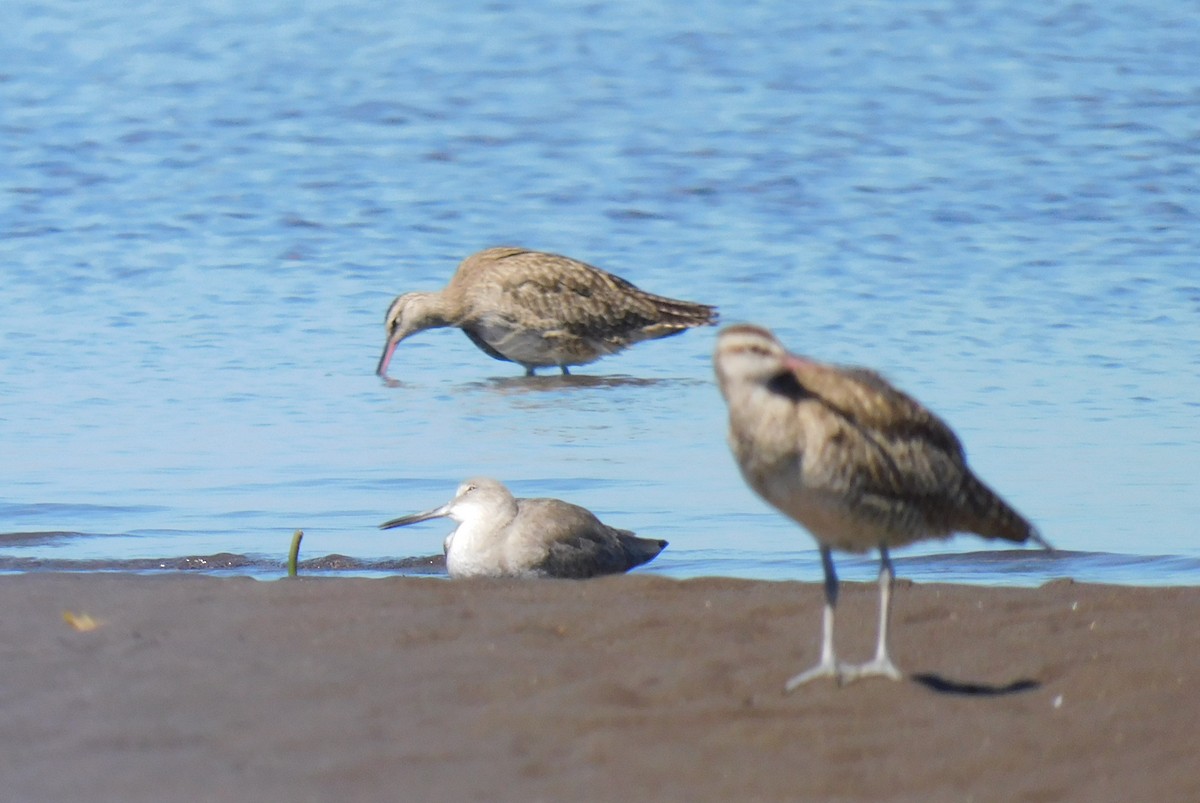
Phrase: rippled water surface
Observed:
(207, 208)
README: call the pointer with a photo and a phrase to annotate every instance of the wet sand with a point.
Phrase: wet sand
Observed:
(622, 688)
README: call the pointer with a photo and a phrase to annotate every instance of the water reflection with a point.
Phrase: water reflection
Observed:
(518, 385)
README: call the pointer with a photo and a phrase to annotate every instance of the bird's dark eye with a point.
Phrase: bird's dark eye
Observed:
(786, 384)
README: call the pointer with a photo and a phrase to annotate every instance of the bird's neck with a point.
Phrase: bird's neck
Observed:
(764, 427)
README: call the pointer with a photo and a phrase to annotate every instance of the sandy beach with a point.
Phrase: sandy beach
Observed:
(164, 688)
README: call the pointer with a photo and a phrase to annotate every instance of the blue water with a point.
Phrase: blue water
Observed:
(207, 208)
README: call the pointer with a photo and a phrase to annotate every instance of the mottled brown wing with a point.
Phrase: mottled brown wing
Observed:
(872, 404)
(909, 462)
(587, 301)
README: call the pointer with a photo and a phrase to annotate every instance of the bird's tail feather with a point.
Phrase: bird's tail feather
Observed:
(675, 315)
(992, 517)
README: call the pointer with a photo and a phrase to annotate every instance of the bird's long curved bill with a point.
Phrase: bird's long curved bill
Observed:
(386, 357)
(436, 513)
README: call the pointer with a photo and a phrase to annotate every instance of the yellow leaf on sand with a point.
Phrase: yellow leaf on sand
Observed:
(80, 621)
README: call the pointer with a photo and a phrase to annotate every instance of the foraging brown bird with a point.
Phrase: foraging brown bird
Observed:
(540, 310)
(858, 463)
(499, 535)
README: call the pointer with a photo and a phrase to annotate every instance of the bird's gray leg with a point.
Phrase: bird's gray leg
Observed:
(565, 371)
(881, 665)
(529, 371)
(827, 667)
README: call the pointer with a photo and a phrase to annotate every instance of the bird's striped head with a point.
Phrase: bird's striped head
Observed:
(406, 315)
(748, 353)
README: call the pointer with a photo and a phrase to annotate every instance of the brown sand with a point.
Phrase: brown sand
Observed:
(623, 688)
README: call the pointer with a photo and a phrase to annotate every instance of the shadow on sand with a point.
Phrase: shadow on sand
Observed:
(944, 685)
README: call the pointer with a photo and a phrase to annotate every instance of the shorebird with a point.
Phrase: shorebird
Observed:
(540, 310)
(499, 535)
(858, 463)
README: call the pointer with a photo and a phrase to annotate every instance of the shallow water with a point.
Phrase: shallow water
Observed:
(208, 208)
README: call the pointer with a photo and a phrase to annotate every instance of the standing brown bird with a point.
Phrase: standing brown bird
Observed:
(540, 310)
(860, 464)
